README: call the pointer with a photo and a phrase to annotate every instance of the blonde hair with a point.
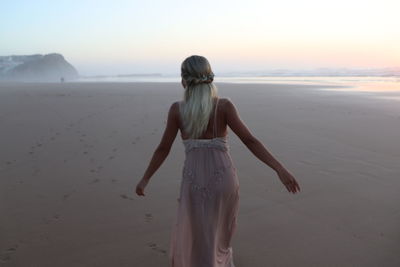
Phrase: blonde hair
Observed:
(199, 95)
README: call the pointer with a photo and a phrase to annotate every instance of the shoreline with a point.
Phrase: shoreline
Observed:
(392, 94)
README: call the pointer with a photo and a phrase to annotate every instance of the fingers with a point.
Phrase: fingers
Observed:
(292, 186)
(139, 191)
(289, 181)
(297, 186)
(292, 189)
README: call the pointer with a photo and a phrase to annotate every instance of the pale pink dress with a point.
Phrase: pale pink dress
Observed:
(207, 206)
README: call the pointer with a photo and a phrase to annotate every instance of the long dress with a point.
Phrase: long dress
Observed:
(207, 206)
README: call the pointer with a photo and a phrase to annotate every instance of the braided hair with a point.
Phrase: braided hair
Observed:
(196, 70)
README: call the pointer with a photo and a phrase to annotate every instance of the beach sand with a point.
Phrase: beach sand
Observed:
(71, 155)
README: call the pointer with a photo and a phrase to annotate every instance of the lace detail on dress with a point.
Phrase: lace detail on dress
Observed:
(218, 142)
(207, 191)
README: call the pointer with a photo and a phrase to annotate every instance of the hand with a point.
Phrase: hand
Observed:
(288, 180)
(140, 187)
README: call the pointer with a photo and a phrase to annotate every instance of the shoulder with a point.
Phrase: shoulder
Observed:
(225, 103)
(224, 100)
(174, 108)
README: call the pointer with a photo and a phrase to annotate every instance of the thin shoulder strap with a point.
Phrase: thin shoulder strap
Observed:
(215, 118)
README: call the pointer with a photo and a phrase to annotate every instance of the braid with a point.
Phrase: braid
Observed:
(194, 80)
(196, 70)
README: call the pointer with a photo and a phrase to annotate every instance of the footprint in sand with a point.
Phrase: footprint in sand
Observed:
(6, 254)
(10, 162)
(95, 181)
(148, 217)
(357, 236)
(154, 131)
(154, 247)
(53, 218)
(136, 140)
(66, 196)
(125, 197)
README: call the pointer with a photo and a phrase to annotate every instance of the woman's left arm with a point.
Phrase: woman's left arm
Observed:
(163, 149)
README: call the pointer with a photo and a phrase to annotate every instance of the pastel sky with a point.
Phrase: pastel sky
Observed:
(114, 37)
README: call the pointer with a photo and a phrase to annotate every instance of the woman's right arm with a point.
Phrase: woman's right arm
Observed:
(257, 148)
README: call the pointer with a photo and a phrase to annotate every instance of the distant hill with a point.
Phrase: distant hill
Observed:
(41, 68)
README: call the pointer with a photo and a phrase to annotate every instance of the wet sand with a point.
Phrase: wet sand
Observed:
(71, 155)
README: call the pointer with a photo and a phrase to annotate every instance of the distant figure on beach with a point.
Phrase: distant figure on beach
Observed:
(62, 79)
(208, 204)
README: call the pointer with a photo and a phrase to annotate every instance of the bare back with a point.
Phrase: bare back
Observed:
(217, 119)
(226, 115)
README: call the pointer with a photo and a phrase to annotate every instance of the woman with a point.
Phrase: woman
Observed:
(209, 193)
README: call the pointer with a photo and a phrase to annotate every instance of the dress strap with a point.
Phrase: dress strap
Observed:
(215, 119)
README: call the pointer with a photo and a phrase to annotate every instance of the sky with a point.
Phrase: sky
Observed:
(120, 37)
